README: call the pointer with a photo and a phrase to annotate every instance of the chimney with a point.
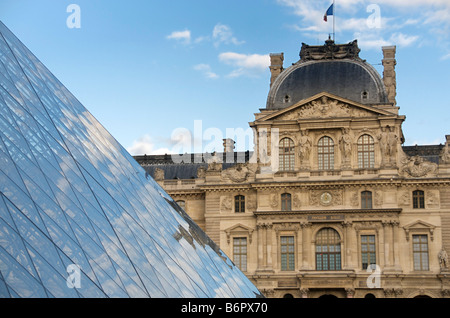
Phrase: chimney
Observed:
(276, 65)
(389, 79)
(228, 145)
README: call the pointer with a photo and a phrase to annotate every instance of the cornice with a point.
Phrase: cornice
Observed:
(339, 211)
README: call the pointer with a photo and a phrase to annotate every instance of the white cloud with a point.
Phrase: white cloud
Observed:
(183, 36)
(145, 145)
(223, 34)
(206, 70)
(245, 64)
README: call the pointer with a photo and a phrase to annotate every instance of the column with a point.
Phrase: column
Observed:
(348, 244)
(387, 243)
(306, 245)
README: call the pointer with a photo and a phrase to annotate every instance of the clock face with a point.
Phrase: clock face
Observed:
(325, 198)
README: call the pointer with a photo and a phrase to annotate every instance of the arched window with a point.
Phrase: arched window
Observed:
(287, 155)
(328, 250)
(366, 152)
(239, 203)
(366, 200)
(286, 202)
(418, 199)
(325, 152)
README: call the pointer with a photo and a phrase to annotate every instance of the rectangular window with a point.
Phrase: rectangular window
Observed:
(418, 199)
(239, 203)
(368, 250)
(366, 200)
(240, 253)
(285, 202)
(420, 252)
(287, 253)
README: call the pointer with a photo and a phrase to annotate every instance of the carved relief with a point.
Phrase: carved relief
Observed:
(274, 200)
(354, 199)
(404, 199)
(227, 204)
(201, 172)
(378, 198)
(296, 201)
(432, 199)
(416, 166)
(325, 107)
(240, 172)
(333, 197)
(251, 203)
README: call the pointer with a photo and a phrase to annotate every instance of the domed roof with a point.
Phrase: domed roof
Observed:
(331, 68)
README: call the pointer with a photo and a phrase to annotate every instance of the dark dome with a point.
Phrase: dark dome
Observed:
(348, 77)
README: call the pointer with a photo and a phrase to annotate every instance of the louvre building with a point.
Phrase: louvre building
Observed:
(79, 217)
(330, 202)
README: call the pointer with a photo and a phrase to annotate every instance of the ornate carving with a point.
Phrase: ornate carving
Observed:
(354, 199)
(274, 203)
(315, 195)
(378, 198)
(251, 203)
(329, 51)
(240, 172)
(417, 167)
(201, 172)
(325, 107)
(227, 203)
(405, 199)
(296, 201)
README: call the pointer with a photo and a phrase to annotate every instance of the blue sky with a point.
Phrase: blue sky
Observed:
(148, 70)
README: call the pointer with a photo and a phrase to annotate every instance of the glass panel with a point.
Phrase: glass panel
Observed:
(71, 195)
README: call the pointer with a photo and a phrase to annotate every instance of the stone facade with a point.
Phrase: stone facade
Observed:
(329, 202)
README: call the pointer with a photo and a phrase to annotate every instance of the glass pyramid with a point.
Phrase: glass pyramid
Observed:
(79, 217)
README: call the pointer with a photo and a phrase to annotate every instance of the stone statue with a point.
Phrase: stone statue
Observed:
(305, 146)
(388, 144)
(214, 163)
(443, 259)
(159, 174)
(346, 145)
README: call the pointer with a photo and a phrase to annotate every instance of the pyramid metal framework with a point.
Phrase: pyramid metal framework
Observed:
(79, 217)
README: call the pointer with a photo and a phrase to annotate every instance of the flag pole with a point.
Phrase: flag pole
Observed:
(334, 22)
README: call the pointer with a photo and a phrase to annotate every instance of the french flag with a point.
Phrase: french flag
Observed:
(329, 12)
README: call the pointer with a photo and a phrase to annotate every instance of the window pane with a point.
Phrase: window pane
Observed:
(328, 250)
(286, 155)
(366, 152)
(325, 151)
(287, 253)
(240, 252)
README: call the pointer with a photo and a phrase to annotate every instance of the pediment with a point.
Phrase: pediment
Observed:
(325, 106)
(419, 225)
(239, 229)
